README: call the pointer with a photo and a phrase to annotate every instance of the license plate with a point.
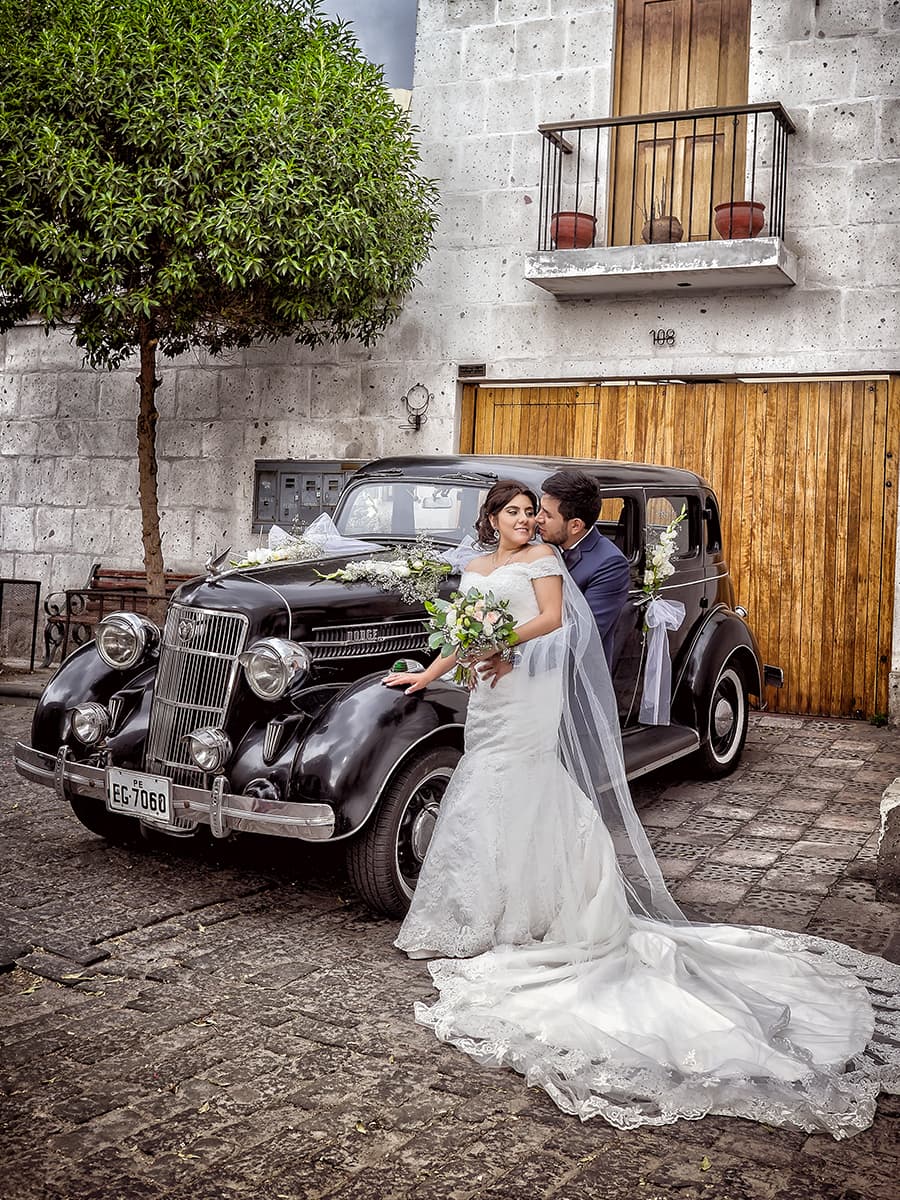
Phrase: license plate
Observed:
(139, 795)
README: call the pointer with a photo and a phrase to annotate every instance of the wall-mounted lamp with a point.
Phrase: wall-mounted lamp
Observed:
(416, 402)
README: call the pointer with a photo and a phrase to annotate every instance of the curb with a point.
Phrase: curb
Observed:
(19, 691)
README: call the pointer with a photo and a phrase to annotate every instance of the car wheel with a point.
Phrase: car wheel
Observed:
(384, 860)
(98, 819)
(724, 730)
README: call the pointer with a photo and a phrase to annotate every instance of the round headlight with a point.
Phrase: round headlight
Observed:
(90, 723)
(209, 748)
(273, 664)
(123, 637)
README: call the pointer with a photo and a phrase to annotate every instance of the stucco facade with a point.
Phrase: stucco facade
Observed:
(487, 73)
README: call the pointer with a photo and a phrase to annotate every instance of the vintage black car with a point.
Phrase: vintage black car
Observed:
(259, 706)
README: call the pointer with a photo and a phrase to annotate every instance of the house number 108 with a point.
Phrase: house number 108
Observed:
(662, 337)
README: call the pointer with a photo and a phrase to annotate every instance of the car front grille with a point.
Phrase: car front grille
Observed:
(198, 668)
(350, 641)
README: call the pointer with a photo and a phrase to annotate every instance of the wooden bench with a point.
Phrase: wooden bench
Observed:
(73, 613)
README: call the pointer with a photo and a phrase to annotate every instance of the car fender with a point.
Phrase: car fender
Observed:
(352, 748)
(722, 636)
(82, 677)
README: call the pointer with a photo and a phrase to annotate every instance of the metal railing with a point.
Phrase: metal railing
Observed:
(696, 174)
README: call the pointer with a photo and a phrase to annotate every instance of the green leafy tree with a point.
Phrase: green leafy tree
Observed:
(199, 173)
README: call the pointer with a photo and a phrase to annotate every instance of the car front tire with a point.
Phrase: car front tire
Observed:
(384, 860)
(94, 816)
(725, 719)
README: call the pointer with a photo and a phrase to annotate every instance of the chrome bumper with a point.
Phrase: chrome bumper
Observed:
(223, 811)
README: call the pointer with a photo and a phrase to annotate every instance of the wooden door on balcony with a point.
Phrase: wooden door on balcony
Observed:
(806, 475)
(673, 55)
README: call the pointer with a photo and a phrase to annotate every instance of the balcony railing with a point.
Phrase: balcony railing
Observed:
(695, 175)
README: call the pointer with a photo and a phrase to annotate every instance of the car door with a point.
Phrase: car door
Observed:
(621, 520)
(688, 582)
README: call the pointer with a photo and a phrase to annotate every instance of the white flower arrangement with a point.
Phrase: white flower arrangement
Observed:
(659, 616)
(296, 550)
(659, 560)
(415, 572)
(321, 538)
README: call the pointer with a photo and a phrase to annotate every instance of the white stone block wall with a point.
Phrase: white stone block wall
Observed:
(487, 73)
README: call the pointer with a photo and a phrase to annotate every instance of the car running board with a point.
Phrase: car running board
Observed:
(651, 746)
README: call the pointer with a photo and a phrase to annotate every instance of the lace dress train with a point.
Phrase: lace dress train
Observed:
(542, 965)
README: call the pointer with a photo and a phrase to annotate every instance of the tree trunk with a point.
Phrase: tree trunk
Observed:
(146, 436)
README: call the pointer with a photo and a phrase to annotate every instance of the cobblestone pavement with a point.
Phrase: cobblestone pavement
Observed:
(231, 1022)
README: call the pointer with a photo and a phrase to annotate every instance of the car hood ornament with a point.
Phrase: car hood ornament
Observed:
(216, 564)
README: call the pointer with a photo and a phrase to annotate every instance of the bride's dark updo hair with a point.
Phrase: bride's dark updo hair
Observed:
(497, 498)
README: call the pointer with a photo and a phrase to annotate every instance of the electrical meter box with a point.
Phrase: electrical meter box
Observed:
(293, 492)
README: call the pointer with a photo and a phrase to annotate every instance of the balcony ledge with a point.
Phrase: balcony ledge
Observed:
(727, 265)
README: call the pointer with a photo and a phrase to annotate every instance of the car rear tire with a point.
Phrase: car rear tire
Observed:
(99, 820)
(726, 715)
(384, 860)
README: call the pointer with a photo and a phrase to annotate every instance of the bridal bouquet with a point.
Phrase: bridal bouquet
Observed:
(415, 572)
(474, 623)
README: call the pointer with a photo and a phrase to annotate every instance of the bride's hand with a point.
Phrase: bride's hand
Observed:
(471, 659)
(411, 680)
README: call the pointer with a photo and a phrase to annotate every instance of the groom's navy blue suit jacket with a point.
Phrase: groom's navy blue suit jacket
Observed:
(601, 571)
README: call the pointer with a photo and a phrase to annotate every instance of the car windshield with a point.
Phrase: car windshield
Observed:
(404, 508)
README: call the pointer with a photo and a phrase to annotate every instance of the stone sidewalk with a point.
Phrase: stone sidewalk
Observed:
(231, 1022)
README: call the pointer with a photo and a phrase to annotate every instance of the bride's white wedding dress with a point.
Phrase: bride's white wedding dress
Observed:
(543, 966)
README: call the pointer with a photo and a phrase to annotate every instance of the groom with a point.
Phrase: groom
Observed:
(570, 506)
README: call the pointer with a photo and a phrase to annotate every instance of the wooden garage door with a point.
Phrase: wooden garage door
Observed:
(806, 476)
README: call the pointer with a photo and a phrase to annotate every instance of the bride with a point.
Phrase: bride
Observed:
(558, 949)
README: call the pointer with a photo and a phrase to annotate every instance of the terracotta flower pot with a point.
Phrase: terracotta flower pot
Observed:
(572, 230)
(740, 218)
(662, 229)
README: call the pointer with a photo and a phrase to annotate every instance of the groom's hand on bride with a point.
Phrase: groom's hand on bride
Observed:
(493, 669)
(412, 681)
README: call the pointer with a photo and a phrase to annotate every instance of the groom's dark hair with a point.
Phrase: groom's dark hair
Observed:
(578, 495)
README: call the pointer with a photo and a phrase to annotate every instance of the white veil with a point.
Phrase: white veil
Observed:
(590, 745)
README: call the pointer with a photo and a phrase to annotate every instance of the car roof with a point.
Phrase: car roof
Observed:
(533, 471)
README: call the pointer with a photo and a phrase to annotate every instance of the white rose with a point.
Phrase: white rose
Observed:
(401, 570)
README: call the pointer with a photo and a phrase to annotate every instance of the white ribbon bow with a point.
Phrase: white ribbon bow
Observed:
(660, 615)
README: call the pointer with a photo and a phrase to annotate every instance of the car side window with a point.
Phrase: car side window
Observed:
(618, 521)
(662, 510)
(713, 527)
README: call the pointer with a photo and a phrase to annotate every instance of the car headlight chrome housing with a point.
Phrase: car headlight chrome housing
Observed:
(123, 638)
(209, 748)
(90, 723)
(273, 664)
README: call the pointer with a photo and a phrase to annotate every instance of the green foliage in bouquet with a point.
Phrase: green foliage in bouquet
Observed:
(472, 624)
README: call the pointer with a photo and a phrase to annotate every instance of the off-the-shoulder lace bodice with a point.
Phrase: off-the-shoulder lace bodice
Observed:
(514, 582)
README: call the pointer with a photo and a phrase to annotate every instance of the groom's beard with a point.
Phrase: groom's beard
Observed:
(549, 539)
